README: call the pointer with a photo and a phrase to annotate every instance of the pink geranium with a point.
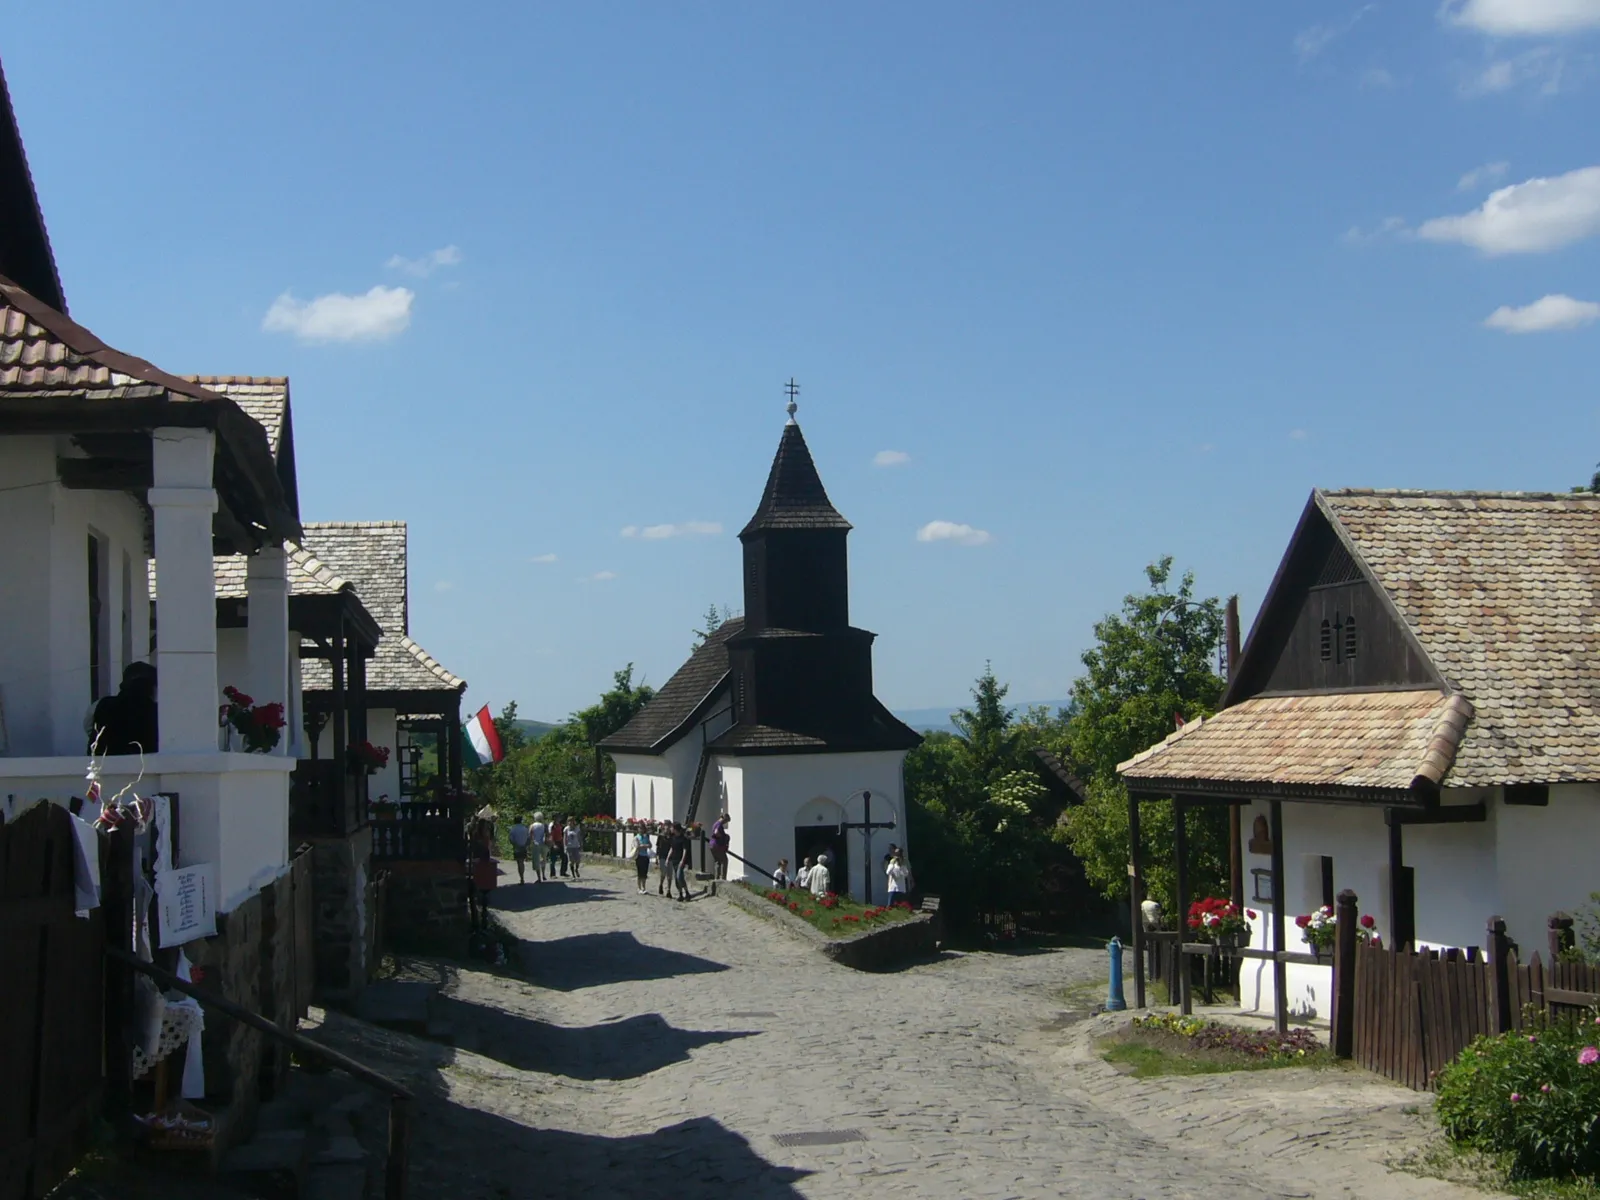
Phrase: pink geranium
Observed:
(1588, 1056)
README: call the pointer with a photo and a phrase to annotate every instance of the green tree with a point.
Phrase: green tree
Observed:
(1152, 665)
(713, 619)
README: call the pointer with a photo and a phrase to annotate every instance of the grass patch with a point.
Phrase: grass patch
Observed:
(1167, 1044)
(1445, 1160)
(837, 916)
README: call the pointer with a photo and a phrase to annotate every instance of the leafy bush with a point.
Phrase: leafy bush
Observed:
(1534, 1096)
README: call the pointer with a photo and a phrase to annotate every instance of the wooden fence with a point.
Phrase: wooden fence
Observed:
(52, 998)
(1414, 1011)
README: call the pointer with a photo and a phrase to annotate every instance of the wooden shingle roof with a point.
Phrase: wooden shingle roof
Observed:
(264, 397)
(372, 556)
(308, 575)
(794, 497)
(659, 723)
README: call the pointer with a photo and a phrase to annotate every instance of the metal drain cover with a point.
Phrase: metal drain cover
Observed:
(826, 1137)
(748, 1015)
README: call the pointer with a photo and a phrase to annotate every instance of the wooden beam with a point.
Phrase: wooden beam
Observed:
(1134, 896)
(104, 474)
(1280, 974)
(1180, 816)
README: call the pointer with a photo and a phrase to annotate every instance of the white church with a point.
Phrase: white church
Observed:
(772, 720)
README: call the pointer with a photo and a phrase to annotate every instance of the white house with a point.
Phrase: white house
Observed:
(107, 466)
(772, 719)
(1418, 702)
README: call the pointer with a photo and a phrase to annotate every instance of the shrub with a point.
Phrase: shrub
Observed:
(1214, 1035)
(1534, 1096)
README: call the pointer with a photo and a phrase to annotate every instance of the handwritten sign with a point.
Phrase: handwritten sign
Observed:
(188, 900)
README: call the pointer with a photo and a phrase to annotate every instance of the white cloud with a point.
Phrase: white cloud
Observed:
(685, 529)
(1482, 176)
(890, 458)
(1298, 435)
(1374, 78)
(953, 531)
(1388, 227)
(444, 585)
(380, 313)
(1312, 41)
(1543, 65)
(1523, 18)
(445, 256)
(1544, 314)
(1527, 218)
(543, 558)
(600, 577)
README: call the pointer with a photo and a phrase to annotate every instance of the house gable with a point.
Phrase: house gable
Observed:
(1326, 626)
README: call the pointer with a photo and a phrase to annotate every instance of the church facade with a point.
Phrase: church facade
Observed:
(773, 719)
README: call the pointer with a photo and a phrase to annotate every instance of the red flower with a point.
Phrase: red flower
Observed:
(1303, 920)
(794, 906)
(810, 912)
(1368, 922)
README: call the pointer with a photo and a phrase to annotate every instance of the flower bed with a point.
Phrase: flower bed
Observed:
(1532, 1098)
(1170, 1044)
(837, 916)
(1214, 1035)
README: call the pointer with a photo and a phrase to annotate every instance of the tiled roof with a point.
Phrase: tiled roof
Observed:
(43, 351)
(794, 497)
(372, 556)
(264, 397)
(1502, 590)
(1340, 739)
(308, 575)
(678, 698)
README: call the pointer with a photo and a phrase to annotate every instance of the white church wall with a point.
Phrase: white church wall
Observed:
(769, 795)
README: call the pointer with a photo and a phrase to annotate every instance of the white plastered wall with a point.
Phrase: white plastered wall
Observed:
(1546, 860)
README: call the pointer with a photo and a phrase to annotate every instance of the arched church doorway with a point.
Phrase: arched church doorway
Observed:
(817, 831)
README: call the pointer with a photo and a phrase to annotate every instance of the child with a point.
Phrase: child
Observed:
(780, 877)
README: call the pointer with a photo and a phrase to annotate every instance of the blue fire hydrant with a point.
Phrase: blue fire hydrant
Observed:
(1115, 1002)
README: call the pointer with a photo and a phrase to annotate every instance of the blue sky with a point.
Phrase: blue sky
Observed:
(1112, 281)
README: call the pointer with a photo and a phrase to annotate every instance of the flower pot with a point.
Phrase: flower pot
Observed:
(1231, 941)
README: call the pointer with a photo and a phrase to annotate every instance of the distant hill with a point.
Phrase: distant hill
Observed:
(937, 720)
(534, 730)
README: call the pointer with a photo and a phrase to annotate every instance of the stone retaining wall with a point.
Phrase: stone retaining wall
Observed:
(427, 909)
(871, 950)
(343, 887)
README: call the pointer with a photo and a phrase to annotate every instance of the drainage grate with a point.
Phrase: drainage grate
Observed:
(747, 1015)
(827, 1137)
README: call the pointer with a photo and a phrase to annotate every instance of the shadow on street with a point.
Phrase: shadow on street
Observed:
(596, 959)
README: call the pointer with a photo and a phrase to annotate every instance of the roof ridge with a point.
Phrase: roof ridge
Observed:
(1440, 754)
(353, 525)
(272, 380)
(1443, 494)
(317, 569)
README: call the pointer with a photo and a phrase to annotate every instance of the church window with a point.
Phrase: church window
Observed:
(1327, 640)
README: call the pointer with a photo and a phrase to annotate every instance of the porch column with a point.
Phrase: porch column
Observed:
(267, 634)
(182, 504)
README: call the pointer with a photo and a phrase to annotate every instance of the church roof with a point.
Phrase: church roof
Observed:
(25, 252)
(795, 497)
(658, 724)
(881, 731)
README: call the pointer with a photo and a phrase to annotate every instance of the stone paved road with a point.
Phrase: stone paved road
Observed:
(662, 1047)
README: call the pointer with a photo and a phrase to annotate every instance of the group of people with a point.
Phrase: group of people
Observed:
(671, 851)
(816, 877)
(557, 845)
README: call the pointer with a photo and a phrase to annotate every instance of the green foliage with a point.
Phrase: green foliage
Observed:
(1586, 928)
(1152, 663)
(713, 619)
(563, 771)
(1533, 1096)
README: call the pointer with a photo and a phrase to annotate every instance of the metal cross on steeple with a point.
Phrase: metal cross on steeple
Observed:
(793, 390)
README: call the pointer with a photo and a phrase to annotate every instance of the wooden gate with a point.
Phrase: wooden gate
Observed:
(52, 1004)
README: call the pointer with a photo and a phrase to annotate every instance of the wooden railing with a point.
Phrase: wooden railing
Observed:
(322, 800)
(401, 1099)
(423, 830)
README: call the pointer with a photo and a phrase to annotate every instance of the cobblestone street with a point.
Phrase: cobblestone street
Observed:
(663, 1048)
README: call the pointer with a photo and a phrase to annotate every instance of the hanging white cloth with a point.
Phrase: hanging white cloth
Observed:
(85, 867)
(194, 1067)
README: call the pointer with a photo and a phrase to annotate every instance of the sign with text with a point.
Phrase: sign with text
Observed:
(188, 900)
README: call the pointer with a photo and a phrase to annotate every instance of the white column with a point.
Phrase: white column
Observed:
(182, 503)
(267, 633)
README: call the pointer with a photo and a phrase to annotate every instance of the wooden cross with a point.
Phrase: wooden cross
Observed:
(793, 390)
(866, 825)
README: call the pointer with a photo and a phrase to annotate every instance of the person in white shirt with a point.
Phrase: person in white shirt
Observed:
(536, 836)
(899, 881)
(802, 877)
(573, 837)
(780, 877)
(519, 848)
(818, 879)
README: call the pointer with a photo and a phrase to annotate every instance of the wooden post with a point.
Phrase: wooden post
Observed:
(1499, 963)
(1133, 901)
(1235, 833)
(1559, 932)
(1180, 902)
(1280, 973)
(399, 1148)
(1344, 975)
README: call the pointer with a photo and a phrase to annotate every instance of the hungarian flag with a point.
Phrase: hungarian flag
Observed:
(480, 743)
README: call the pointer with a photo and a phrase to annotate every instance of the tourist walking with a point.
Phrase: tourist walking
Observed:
(899, 881)
(780, 876)
(558, 846)
(537, 833)
(574, 845)
(719, 845)
(680, 862)
(664, 843)
(819, 877)
(519, 847)
(485, 875)
(641, 860)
